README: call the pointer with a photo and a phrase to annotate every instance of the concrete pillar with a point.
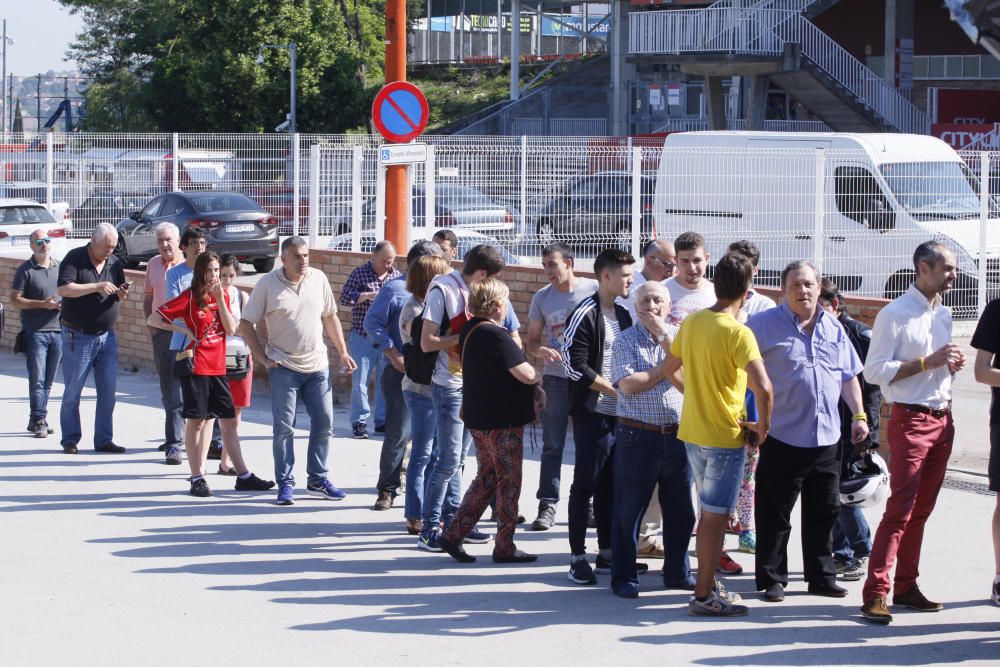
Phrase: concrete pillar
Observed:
(757, 102)
(716, 103)
(621, 71)
(898, 26)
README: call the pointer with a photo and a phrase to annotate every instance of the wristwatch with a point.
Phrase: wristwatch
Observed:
(661, 338)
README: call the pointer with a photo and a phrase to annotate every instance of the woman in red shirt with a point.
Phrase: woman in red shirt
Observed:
(206, 393)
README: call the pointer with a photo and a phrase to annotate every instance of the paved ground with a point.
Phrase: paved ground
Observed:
(106, 559)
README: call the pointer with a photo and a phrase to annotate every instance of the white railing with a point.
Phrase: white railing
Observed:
(694, 124)
(791, 5)
(765, 32)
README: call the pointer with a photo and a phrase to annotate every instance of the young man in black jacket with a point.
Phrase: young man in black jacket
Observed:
(590, 333)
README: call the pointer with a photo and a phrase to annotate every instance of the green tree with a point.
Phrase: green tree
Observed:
(17, 127)
(189, 65)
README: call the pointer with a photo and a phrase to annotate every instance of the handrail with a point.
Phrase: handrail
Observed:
(749, 31)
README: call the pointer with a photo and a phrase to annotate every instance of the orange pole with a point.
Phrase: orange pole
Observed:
(396, 195)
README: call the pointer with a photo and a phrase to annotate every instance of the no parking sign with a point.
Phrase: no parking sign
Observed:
(400, 112)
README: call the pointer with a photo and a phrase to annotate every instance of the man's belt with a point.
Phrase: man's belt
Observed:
(89, 332)
(666, 429)
(924, 410)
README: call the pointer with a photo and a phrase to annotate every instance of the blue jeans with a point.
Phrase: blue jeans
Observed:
(641, 459)
(369, 361)
(594, 437)
(423, 426)
(852, 537)
(444, 484)
(81, 353)
(44, 350)
(170, 389)
(555, 418)
(286, 387)
(717, 473)
(397, 432)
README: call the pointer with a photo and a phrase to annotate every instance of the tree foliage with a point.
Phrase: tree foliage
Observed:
(190, 65)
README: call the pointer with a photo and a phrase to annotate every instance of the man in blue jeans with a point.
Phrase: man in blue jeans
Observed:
(647, 450)
(34, 294)
(360, 289)
(546, 323)
(296, 304)
(382, 327)
(447, 299)
(91, 284)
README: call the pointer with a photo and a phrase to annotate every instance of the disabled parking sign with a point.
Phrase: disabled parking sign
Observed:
(400, 112)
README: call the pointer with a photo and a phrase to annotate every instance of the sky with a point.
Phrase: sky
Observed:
(42, 31)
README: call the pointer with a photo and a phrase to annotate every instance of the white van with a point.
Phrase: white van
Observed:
(856, 204)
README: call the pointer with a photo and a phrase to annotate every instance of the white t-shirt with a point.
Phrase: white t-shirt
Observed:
(607, 404)
(551, 306)
(686, 301)
(757, 303)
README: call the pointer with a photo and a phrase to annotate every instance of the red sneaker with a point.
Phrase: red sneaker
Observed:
(728, 566)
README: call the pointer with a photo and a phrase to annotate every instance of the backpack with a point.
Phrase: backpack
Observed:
(419, 365)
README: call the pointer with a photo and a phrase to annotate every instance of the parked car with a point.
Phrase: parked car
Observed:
(456, 207)
(20, 217)
(278, 202)
(37, 191)
(595, 209)
(106, 206)
(467, 239)
(232, 222)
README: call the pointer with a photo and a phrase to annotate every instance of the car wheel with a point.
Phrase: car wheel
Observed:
(546, 232)
(265, 265)
(121, 250)
(898, 284)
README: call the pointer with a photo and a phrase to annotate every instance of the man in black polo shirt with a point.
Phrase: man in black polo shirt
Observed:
(34, 294)
(91, 283)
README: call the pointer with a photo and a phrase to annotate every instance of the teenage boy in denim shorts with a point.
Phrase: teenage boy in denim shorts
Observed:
(720, 357)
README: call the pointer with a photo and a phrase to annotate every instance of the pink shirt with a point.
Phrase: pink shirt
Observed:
(156, 280)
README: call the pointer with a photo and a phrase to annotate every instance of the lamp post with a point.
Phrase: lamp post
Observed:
(5, 42)
(291, 50)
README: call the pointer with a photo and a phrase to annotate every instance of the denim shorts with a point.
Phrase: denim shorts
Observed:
(717, 473)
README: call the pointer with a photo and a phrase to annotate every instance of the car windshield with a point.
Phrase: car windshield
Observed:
(210, 202)
(25, 215)
(946, 189)
(462, 199)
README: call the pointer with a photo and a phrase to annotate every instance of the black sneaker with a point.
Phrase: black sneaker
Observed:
(215, 451)
(110, 448)
(603, 566)
(581, 573)
(40, 430)
(360, 430)
(546, 517)
(253, 483)
(200, 488)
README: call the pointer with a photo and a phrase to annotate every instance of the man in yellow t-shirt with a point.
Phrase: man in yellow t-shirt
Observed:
(720, 357)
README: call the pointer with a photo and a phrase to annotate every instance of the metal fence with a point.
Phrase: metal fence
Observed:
(858, 215)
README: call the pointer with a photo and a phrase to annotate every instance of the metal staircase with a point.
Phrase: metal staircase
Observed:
(776, 38)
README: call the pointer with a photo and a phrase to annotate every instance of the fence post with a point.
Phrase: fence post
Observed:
(79, 182)
(297, 174)
(357, 158)
(818, 213)
(636, 199)
(175, 149)
(313, 195)
(48, 171)
(379, 209)
(524, 184)
(984, 217)
(430, 194)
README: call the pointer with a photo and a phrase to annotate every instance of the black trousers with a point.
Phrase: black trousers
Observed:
(783, 473)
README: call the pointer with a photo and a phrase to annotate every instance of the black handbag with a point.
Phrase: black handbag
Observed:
(20, 344)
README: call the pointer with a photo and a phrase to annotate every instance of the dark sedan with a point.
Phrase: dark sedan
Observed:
(595, 209)
(232, 222)
(106, 206)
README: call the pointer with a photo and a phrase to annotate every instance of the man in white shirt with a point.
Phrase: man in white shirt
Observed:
(913, 359)
(690, 291)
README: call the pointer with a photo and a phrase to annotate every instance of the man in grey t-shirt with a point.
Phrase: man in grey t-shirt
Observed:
(546, 322)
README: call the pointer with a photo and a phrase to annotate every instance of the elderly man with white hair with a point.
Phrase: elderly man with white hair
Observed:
(91, 284)
(154, 296)
(647, 450)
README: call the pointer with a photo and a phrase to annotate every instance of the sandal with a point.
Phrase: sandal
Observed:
(228, 472)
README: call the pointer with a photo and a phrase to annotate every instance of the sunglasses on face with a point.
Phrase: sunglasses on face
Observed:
(42, 242)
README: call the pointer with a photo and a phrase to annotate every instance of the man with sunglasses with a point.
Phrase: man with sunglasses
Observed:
(34, 294)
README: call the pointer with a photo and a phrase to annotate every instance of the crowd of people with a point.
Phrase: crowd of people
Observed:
(698, 407)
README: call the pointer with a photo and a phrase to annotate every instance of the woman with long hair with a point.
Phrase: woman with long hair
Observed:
(423, 421)
(500, 394)
(204, 309)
